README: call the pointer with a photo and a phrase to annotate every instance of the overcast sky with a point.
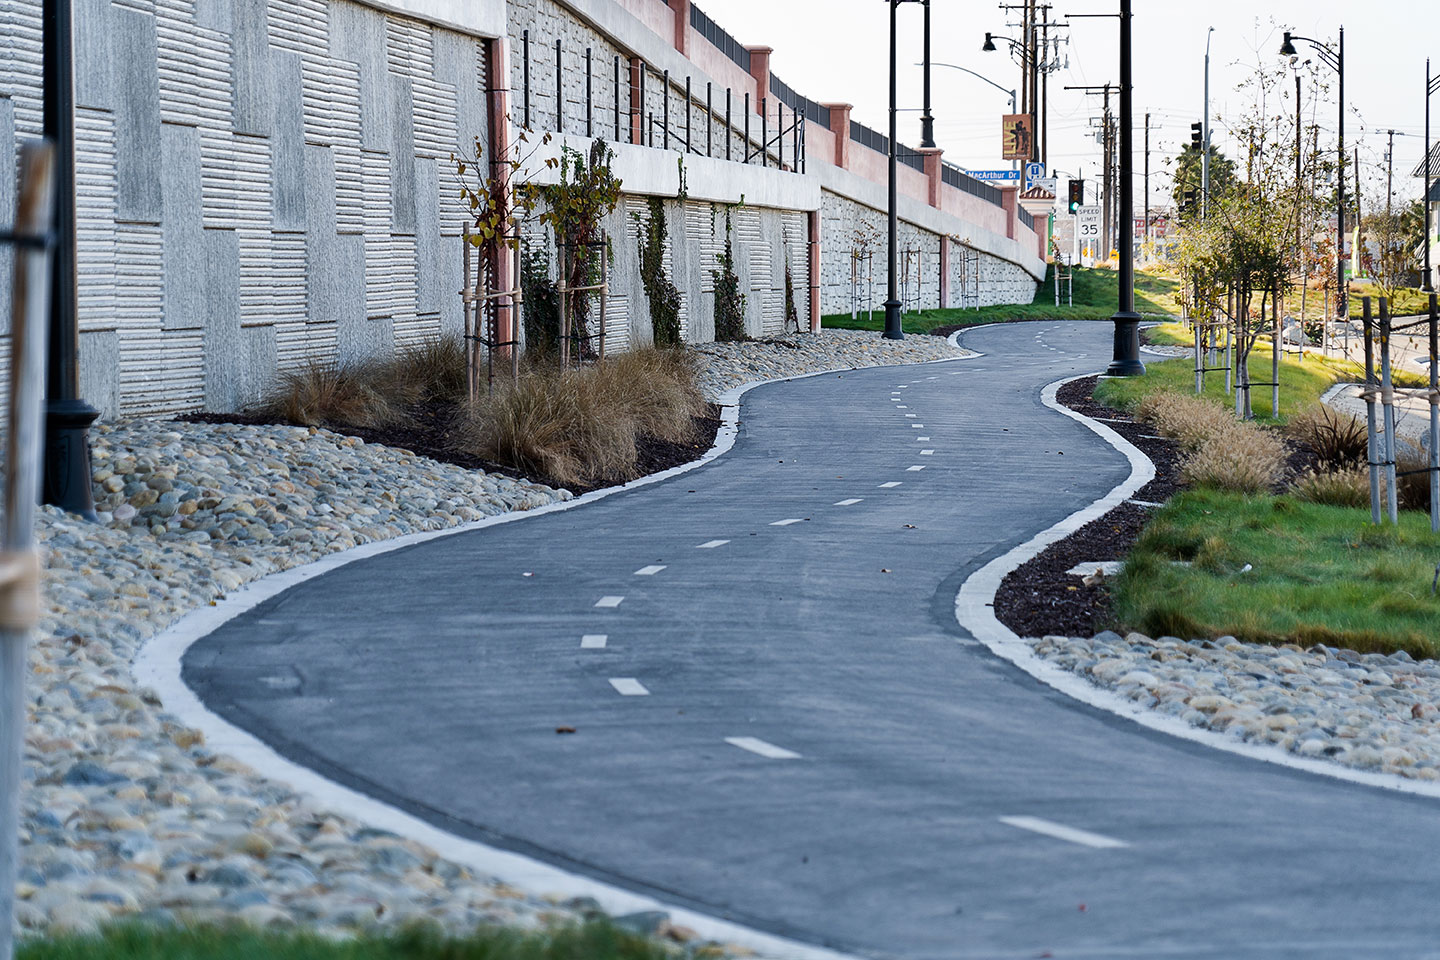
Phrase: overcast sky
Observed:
(837, 50)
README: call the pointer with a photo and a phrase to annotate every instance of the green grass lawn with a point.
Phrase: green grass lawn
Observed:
(1096, 297)
(592, 941)
(1407, 300)
(1319, 575)
(1301, 381)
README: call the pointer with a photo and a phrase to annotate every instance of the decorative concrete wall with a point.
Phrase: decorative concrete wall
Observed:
(260, 182)
(975, 278)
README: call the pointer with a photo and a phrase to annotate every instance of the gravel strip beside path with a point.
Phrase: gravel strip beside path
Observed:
(128, 813)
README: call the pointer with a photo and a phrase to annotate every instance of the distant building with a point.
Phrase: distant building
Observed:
(1432, 212)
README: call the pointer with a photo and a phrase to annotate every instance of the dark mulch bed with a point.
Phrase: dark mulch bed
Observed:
(433, 433)
(1039, 598)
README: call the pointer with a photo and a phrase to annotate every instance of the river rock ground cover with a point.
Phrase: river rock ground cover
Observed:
(1368, 711)
(127, 813)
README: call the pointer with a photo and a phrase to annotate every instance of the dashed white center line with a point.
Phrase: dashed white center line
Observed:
(761, 747)
(649, 571)
(849, 503)
(915, 469)
(629, 687)
(786, 523)
(922, 439)
(892, 483)
(712, 544)
(1061, 832)
(593, 641)
(609, 601)
(918, 426)
(911, 415)
(927, 453)
(901, 406)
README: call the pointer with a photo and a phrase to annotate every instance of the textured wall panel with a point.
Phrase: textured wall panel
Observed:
(95, 218)
(359, 37)
(221, 255)
(181, 228)
(287, 145)
(94, 54)
(99, 373)
(7, 205)
(252, 81)
(402, 153)
(194, 68)
(20, 62)
(137, 118)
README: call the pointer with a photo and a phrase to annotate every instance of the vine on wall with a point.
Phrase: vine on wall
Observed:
(542, 301)
(729, 300)
(792, 316)
(661, 293)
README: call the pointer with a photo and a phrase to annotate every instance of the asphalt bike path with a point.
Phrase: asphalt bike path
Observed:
(777, 719)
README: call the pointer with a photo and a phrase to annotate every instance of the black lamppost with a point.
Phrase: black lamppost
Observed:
(893, 327)
(1336, 60)
(927, 122)
(1431, 85)
(1027, 64)
(1126, 359)
(67, 417)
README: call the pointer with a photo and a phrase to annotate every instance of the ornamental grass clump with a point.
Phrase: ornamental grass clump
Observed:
(319, 393)
(1240, 457)
(1337, 439)
(1187, 419)
(1348, 487)
(583, 428)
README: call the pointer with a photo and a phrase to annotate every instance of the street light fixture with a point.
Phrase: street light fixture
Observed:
(1027, 63)
(1335, 59)
(981, 76)
(1432, 84)
(894, 330)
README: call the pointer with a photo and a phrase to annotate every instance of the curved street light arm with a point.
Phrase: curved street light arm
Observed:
(956, 66)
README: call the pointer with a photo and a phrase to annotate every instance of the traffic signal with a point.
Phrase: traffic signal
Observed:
(1187, 205)
(1077, 194)
(1197, 140)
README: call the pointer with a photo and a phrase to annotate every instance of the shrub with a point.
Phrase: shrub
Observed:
(1241, 457)
(326, 394)
(430, 370)
(580, 428)
(1412, 487)
(1347, 487)
(1190, 420)
(1337, 439)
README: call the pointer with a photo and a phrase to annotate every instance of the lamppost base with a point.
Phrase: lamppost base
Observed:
(894, 328)
(1126, 362)
(67, 456)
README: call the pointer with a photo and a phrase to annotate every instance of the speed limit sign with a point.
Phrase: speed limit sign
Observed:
(1088, 222)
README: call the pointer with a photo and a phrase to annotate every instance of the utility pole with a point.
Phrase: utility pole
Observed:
(1147, 177)
(1205, 147)
(1109, 134)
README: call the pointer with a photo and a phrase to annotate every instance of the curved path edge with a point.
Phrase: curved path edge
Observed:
(975, 611)
(158, 665)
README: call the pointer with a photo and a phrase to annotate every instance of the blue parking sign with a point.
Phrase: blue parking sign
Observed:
(1034, 172)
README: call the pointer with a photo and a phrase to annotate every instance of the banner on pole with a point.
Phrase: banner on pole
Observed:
(1017, 140)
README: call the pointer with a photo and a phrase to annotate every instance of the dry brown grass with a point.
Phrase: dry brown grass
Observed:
(581, 428)
(1241, 457)
(1188, 419)
(1349, 487)
(431, 370)
(1413, 490)
(326, 394)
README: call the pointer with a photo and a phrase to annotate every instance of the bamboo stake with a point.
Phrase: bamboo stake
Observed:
(1372, 445)
(1278, 345)
(1387, 400)
(1434, 416)
(19, 585)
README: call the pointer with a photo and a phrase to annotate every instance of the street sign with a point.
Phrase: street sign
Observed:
(1033, 172)
(1088, 222)
(995, 176)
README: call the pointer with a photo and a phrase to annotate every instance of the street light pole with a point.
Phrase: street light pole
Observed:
(1126, 361)
(893, 328)
(1205, 146)
(927, 122)
(67, 417)
(1335, 59)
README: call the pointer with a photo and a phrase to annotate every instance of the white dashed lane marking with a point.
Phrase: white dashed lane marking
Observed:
(593, 641)
(922, 439)
(927, 453)
(649, 571)
(629, 687)
(911, 415)
(915, 469)
(768, 750)
(786, 523)
(849, 503)
(712, 544)
(918, 426)
(609, 601)
(1061, 832)
(892, 483)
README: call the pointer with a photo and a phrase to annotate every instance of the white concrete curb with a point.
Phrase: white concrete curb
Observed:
(975, 611)
(158, 665)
